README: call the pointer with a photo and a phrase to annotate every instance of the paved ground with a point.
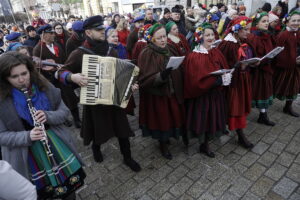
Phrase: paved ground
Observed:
(271, 170)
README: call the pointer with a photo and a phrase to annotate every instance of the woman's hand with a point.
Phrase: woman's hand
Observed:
(36, 134)
(40, 116)
(134, 87)
(79, 79)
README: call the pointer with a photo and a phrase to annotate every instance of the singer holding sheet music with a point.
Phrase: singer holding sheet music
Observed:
(204, 92)
(99, 122)
(161, 91)
(287, 65)
(239, 97)
(262, 75)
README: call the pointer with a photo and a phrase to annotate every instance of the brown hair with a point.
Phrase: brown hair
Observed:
(12, 59)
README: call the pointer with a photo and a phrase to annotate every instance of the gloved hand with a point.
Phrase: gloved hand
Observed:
(164, 74)
(226, 79)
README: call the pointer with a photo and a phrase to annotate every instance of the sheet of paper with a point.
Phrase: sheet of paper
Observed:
(175, 62)
(273, 53)
(222, 71)
(251, 61)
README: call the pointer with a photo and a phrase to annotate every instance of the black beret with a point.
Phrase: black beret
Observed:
(176, 10)
(166, 10)
(45, 29)
(30, 28)
(93, 22)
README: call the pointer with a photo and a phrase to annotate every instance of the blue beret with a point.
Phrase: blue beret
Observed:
(140, 18)
(214, 17)
(13, 36)
(93, 22)
(46, 28)
(77, 26)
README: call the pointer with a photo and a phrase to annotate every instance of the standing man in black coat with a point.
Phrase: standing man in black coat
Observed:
(166, 17)
(100, 122)
(149, 17)
(176, 17)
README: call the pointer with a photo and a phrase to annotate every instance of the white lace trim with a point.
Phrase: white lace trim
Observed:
(230, 38)
(290, 29)
(142, 40)
(200, 49)
(174, 38)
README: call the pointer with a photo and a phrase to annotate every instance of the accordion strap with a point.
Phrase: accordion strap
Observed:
(89, 51)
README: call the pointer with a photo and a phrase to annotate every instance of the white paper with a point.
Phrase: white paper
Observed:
(273, 53)
(222, 71)
(251, 61)
(216, 43)
(175, 62)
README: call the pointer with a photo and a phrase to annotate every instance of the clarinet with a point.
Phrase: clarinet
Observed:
(44, 140)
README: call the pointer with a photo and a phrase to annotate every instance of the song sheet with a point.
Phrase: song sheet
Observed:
(175, 62)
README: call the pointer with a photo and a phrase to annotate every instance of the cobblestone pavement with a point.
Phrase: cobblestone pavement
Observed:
(271, 170)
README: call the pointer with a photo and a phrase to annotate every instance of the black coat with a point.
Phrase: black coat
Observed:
(99, 122)
(32, 41)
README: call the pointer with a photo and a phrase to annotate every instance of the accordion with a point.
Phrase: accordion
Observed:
(109, 80)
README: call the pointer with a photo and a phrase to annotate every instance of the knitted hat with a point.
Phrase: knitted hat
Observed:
(154, 28)
(166, 10)
(272, 17)
(169, 26)
(200, 30)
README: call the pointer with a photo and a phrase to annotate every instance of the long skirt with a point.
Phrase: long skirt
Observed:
(262, 89)
(207, 114)
(286, 83)
(56, 175)
(161, 117)
(239, 100)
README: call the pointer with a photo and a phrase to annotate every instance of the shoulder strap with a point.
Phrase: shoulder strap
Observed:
(87, 50)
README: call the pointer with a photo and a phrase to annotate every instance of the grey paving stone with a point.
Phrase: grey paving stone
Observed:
(145, 197)
(273, 196)
(277, 147)
(167, 196)
(178, 160)
(276, 171)
(262, 186)
(178, 173)
(285, 137)
(215, 172)
(230, 196)
(227, 148)
(295, 196)
(207, 196)
(254, 172)
(260, 148)
(248, 159)
(141, 188)
(297, 160)
(269, 138)
(240, 186)
(185, 197)
(124, 189)
(197, 172)
(199, 187)
(181, 186)
(293, 147)
(239, 168)
(285, 159)
(267, 159)
(294, 173)
(250, 196)
(219, 187)
(161, 173)
(285, 187)
(240, 151)
(231, 159)
(160, 189)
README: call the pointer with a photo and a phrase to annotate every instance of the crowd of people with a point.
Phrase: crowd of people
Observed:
(208, 95)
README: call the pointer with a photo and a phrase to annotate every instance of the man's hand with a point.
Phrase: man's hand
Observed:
(79, 79)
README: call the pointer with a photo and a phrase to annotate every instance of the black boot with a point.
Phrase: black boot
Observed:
(185, 138)
(128, 160)
(165, 150)
(76, 118)
(204, 148)
(243, 141)
(288, 109)
(264, 119)
(98, 157)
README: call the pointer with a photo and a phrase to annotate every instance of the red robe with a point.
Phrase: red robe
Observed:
(239, 93)
(286, 71)
(138, 47)
(182, 46)
(161, 101)
(206, 107)
(262, 75)
(123, 35)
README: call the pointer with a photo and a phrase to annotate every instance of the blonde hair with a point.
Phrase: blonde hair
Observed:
(120, 26)
(110, 32)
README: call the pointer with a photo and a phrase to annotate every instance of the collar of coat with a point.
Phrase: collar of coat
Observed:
(230, 38)
(174, 38)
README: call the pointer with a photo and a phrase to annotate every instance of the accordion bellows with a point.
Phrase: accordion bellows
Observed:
(109, 80)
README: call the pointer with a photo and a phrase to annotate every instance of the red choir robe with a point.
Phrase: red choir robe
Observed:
(286, 71)
(161, 101)
(180, 43)
(262, 75)
(123, 35)
(239, 93)
(204, 93)
(137, 49)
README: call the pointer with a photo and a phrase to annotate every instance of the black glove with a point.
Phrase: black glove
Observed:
(164, 74)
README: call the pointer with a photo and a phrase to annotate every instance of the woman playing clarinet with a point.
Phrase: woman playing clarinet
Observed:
(32, 135)
(235, 49)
